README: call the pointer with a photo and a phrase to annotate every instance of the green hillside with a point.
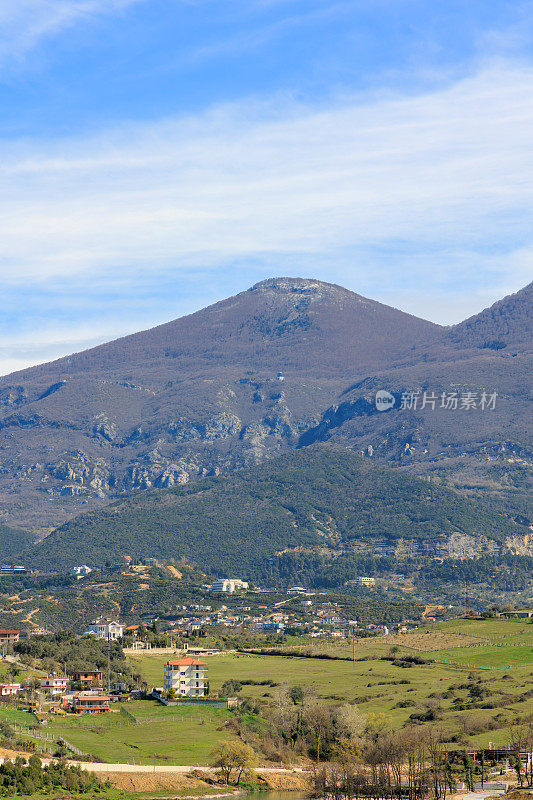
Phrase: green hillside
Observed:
(13, 542)
(317, 497)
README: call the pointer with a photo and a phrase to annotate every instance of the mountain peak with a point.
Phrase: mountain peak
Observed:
(310, 288)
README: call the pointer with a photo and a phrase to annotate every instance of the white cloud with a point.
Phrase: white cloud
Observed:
(421, 201)
(24, 23)
(451, 169)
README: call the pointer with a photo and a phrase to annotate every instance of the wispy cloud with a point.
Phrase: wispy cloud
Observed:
(25, 23)
(453, 166)
(383, 193)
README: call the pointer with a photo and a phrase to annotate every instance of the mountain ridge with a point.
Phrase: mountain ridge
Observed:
(247, 379)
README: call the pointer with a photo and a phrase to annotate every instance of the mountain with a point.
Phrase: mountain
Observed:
(319, 499)
(507, 322)
(286, 363)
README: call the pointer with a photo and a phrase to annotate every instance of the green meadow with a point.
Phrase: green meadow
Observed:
(187, 734)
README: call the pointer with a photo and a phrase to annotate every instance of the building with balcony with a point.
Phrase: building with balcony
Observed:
(54, 685)
(187, 676)
(89, 703)
(9, 637)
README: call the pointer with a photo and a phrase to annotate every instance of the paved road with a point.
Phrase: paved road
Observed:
(157, 768)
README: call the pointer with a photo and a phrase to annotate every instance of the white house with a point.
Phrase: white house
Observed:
(105, 629)
(54, 685)
(81, 572)
(228, 585)
(363, 580)
(9, 689)
(187, 676)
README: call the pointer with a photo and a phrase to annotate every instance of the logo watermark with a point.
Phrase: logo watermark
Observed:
(449, 401)
(384, 400)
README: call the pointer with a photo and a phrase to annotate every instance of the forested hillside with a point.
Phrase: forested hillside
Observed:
(319, 499)
(13, 542)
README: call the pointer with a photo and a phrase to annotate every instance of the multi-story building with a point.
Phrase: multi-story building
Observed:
(363, 580)
(87, 676)
(187, 676)
(9, 637)
(105, 629)
(54, 685)
(88, 703)
(228, 585)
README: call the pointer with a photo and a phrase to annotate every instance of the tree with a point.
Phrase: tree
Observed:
(230, 688)
(233, 760)
(350, 721)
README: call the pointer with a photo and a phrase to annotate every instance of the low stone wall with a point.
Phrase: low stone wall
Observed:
(229, 702)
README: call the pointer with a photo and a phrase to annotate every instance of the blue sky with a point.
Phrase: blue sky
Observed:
(158, 155)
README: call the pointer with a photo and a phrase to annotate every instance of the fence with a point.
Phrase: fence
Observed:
(128, 714)
(48, 737)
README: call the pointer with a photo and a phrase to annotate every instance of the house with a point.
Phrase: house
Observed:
(187, 676)
(9, 689)
(363, 580)
(81, 572)
(105, 629)
(525, 613)
(272, 625)
(228, 585)
(132, 630)
(54, 685)
(88, 676)
(89, 703)
(12, 569)
(9, 637)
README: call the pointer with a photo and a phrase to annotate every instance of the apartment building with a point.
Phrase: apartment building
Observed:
(187, 676)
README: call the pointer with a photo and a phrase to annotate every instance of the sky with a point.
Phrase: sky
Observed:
(159, 155)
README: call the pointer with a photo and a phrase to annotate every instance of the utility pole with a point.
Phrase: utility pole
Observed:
(466, 596)
(353, 649)
(108, 663)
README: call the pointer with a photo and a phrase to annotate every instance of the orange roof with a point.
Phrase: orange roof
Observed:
(92, 697)
(186, 662)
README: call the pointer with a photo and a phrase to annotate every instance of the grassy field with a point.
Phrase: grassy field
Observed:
(162, 735)
(187, 735)
(374, 684)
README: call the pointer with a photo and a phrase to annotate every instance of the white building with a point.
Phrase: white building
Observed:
(105, 629)
(187, 676)
(9, 689)
(228, 585)
(81, 572)
(364, 581)
(54, 685)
